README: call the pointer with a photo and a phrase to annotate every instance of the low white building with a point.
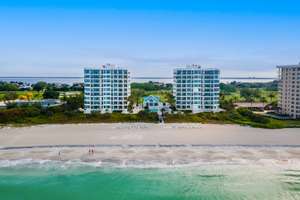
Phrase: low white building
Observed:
(2, 105)
(44, 103)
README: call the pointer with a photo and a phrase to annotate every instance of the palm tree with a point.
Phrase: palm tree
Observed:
(263, 100)
(251, 99)
(235, 99)
(222, 96)
(271, 96)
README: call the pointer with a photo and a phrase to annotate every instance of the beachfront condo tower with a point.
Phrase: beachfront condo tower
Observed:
(196, 89)
(106, 89)
(289, 90)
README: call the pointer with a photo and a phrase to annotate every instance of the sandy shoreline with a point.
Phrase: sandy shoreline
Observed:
(146, 134)
(140, 142)
(160, 156)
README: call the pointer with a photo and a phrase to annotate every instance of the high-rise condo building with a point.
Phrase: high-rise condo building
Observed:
(289, 90)
(106, 89)
(196, 89)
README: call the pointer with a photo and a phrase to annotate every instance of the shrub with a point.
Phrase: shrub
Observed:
(51, 94)
(11, 105)
(253, 117)
(74, 102)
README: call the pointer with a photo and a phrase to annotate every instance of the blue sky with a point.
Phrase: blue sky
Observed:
(60, 37)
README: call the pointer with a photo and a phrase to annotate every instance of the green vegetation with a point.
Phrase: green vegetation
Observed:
(231, 87)
(249, 92)
(4, 86)
(38, 91)
(234, 92)
(239, 116)
(7, 96)
(40, 86)
(23, 95)
(255, 95)
(70, 111)
(50, 94)
(151, 86)
(34, 115)
(140, 90)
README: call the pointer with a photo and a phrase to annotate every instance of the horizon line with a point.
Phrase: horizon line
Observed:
(138, 77)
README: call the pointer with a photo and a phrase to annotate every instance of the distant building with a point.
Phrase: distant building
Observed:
(2, 105)
(152, 103)
(44, 103)
(196, 89)
(106, 89)
(289, 90)
(252, 106)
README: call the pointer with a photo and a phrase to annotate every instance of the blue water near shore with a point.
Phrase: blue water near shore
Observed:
(65, 180)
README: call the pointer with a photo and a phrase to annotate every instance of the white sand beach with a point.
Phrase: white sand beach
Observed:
(113, 142)
(142, 133)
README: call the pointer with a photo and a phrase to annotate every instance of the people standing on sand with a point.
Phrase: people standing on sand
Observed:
(91, 151)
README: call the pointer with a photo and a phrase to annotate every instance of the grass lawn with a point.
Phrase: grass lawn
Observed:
(236, 97)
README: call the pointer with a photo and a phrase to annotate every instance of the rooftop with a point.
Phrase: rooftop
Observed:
(193, 67)
(250, 105)
(288, 66)
(106, 66)
(156, 98)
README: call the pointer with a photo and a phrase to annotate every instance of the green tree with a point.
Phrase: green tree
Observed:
(235, 99)
(250, 94)
(227, 105)
(4, 86)
(74, 102)
(257, 93)
(222, 96)
(227, 88)
(263, 100)
(151, 86)
(136, 95)
(41, 85)
(50, 94)
(170, 98)
(271, 96)
(10, 96)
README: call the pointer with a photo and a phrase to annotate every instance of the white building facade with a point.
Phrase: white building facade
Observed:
(196, 89)
(106, 89)
(289, 90)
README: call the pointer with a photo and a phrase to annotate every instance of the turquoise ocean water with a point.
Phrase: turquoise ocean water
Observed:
(61, 181)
